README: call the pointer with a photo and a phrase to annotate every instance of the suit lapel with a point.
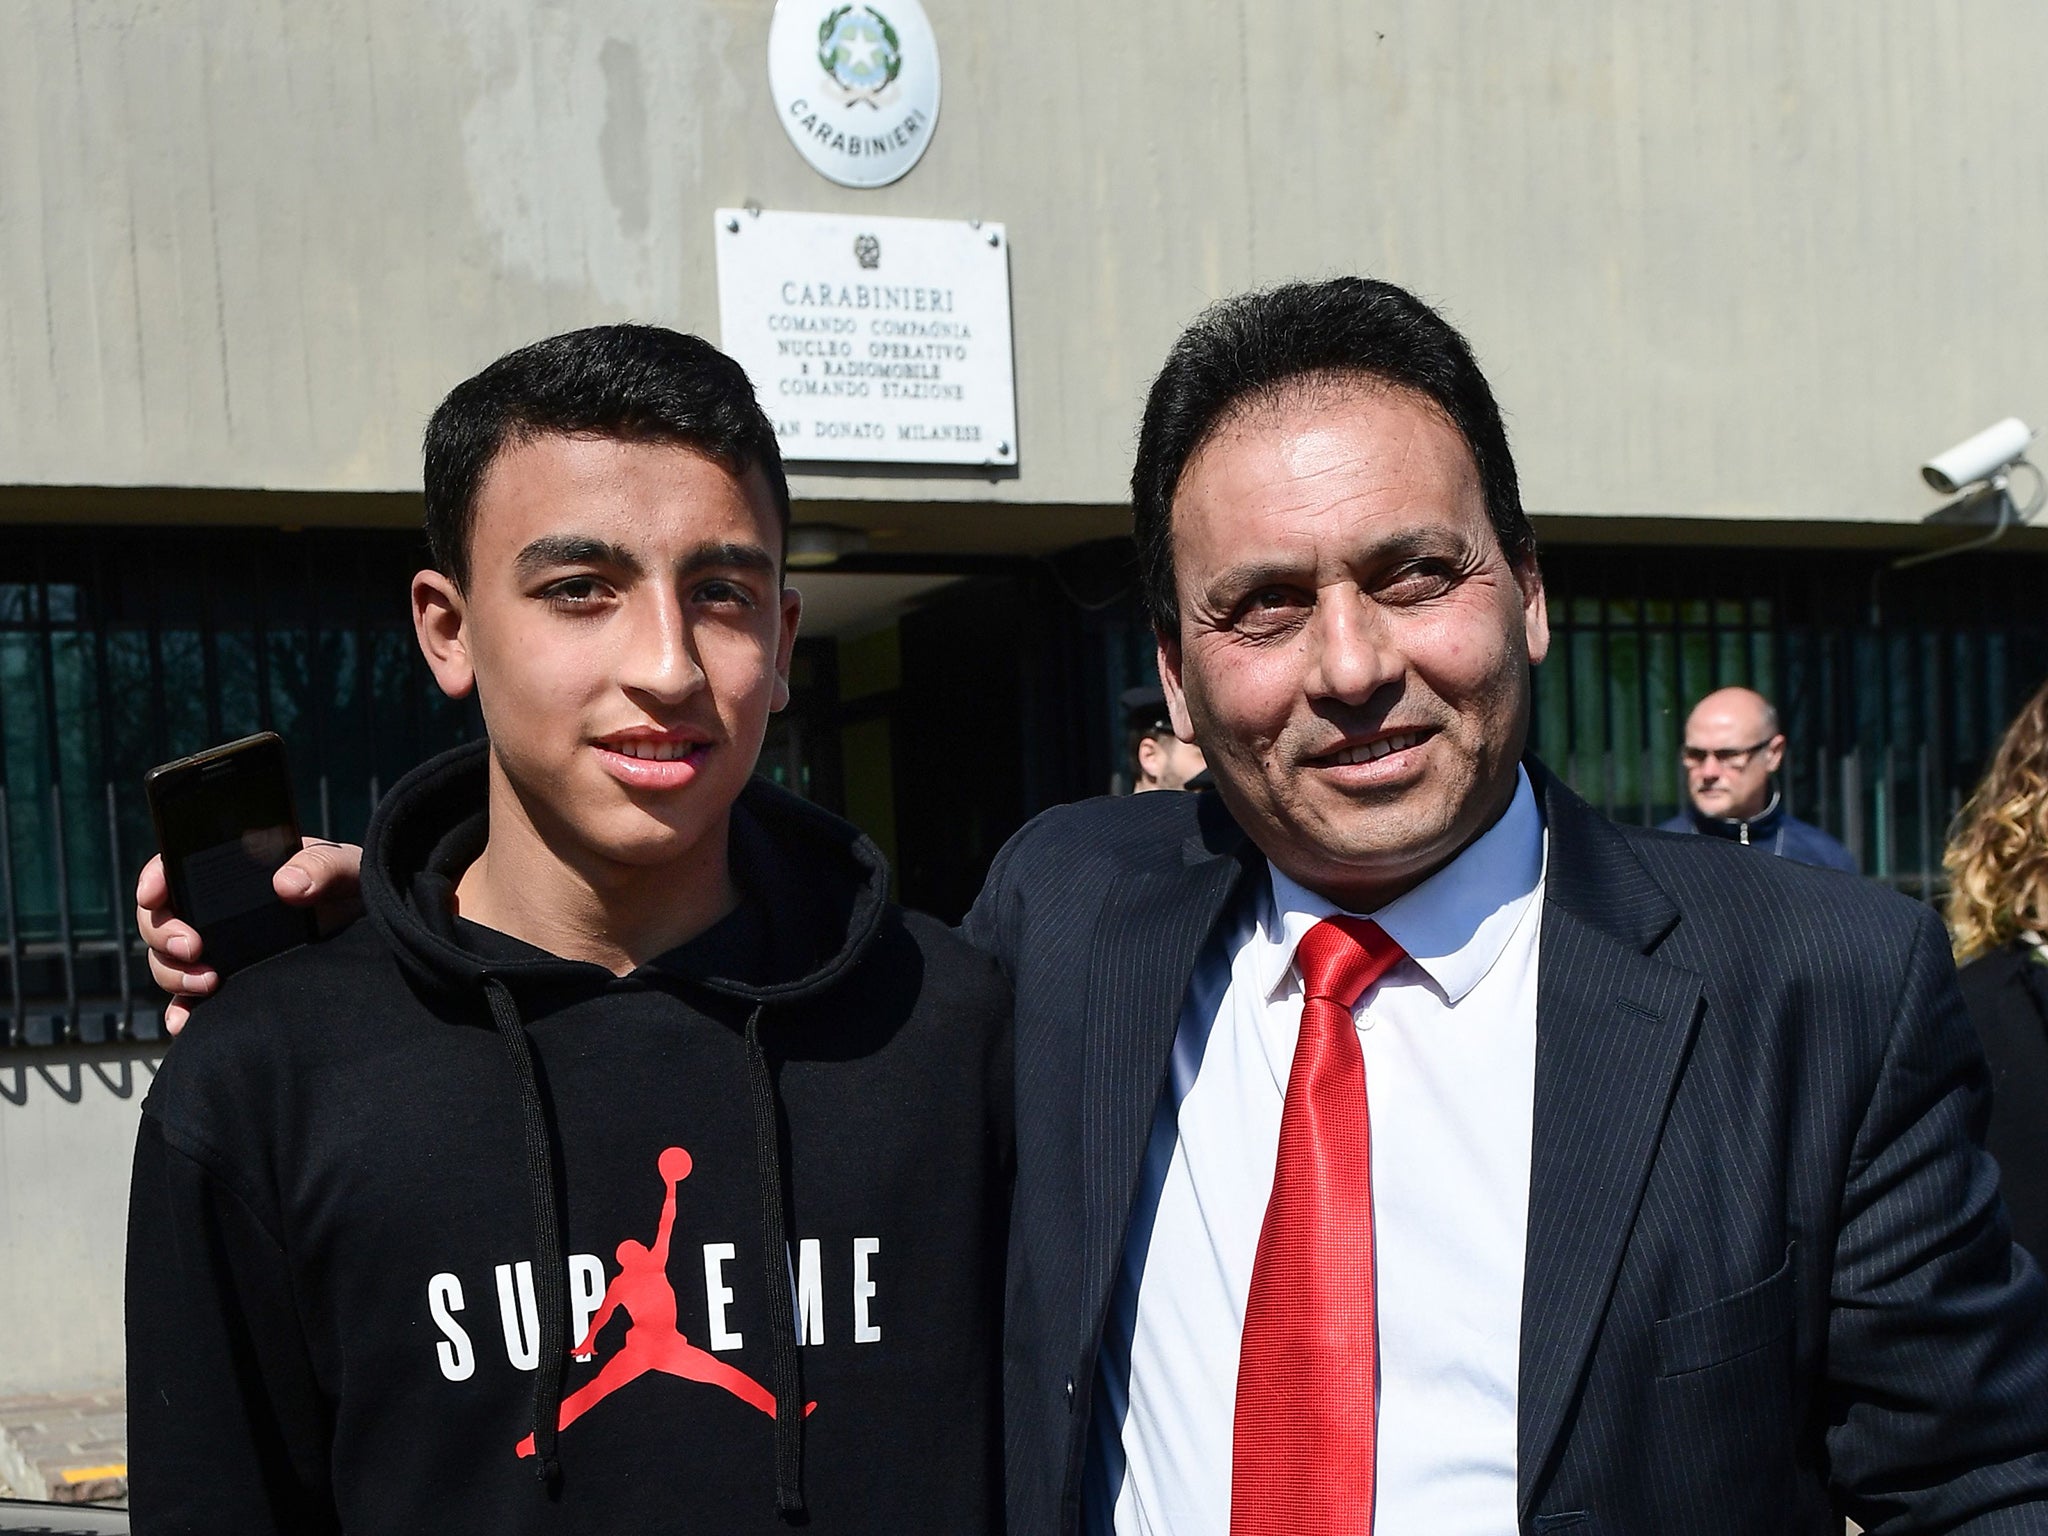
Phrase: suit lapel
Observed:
(1153, 927)
(1613, 1026)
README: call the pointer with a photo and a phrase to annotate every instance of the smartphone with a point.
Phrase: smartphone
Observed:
(224, 823)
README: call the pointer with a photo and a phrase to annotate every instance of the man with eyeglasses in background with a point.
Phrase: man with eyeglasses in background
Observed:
(1732, 751)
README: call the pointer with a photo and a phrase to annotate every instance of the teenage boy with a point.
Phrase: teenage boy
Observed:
(638, 1165)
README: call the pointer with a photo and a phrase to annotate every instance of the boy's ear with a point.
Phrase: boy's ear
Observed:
(785, 646)
(438, 618)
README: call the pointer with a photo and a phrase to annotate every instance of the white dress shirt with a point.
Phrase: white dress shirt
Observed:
(1449, 1037)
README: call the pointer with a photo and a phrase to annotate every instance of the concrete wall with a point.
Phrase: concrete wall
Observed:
(1742, 260)
(67, 1134)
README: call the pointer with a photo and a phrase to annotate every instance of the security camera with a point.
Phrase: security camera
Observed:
(1998, 447)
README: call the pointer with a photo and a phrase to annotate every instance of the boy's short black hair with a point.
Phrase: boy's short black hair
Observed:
(636, 383)
(1251, 348)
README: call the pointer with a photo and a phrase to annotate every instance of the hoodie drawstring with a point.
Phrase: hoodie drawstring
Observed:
(550, 1264)
(787, 1366)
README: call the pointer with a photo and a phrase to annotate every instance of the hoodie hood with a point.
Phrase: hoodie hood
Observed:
(815, 885)
(433, 823)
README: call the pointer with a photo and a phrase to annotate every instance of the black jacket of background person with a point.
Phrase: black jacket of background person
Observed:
(1767, 1265)
(2007, 994)
(333, 1261)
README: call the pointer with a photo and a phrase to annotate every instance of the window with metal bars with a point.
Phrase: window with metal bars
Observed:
(125, 647)
(1892, 688)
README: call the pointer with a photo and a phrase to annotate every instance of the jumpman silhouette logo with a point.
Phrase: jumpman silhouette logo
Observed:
(652, 1342)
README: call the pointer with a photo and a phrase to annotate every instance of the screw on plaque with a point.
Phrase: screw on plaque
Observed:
(994, 238)
(1002, 450)
(732, 226)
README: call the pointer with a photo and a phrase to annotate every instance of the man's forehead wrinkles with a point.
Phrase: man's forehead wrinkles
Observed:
(1305, 510)
(1315, 474)
(1322, 434)
(1318, 452)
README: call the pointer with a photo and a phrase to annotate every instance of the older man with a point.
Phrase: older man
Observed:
(1404, 1148)
(1733, 750)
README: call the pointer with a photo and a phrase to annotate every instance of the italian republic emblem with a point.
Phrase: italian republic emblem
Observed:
(859, 52)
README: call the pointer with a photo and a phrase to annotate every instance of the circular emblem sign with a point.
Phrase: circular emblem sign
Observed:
(856, 86)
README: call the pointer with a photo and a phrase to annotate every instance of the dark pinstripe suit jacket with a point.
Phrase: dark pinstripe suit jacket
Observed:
(1768, 1276)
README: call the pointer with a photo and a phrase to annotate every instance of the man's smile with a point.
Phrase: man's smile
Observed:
(1370, 749)
(1370, 761)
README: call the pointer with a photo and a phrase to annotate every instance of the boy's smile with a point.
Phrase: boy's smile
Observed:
(649, 758)
(626, 629)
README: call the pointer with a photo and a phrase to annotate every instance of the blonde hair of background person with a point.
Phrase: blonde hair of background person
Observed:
(1997, 854)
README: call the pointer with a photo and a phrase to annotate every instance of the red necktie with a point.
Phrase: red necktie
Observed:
(1302, 1461)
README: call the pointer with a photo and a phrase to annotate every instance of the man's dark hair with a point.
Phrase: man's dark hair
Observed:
(1252, 349)
(635, 383)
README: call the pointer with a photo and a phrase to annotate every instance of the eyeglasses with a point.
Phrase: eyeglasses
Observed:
(1734, 758)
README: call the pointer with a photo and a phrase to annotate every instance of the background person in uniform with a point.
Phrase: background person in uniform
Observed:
(1733, 749)
(1159, 759)
(1997, 863)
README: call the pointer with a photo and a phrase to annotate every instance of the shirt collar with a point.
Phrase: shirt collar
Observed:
(1454, 925)
(1742, 829)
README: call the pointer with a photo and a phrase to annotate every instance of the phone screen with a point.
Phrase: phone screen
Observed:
(225, 822)
(232, 878)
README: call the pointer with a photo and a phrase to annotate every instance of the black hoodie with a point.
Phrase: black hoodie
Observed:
(382, 1179)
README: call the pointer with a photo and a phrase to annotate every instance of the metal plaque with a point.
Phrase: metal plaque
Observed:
(872, 340)
(856, 86)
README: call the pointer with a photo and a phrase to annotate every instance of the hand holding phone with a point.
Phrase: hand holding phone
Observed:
(225, 822)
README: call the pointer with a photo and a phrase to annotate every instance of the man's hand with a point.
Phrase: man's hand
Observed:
(324, 876)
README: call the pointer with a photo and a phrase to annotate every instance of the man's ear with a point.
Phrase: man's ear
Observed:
(1149, 757)
(785, 646)
(1170, 683)
(1535, 608)
(1774, 753)
(440, 619)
